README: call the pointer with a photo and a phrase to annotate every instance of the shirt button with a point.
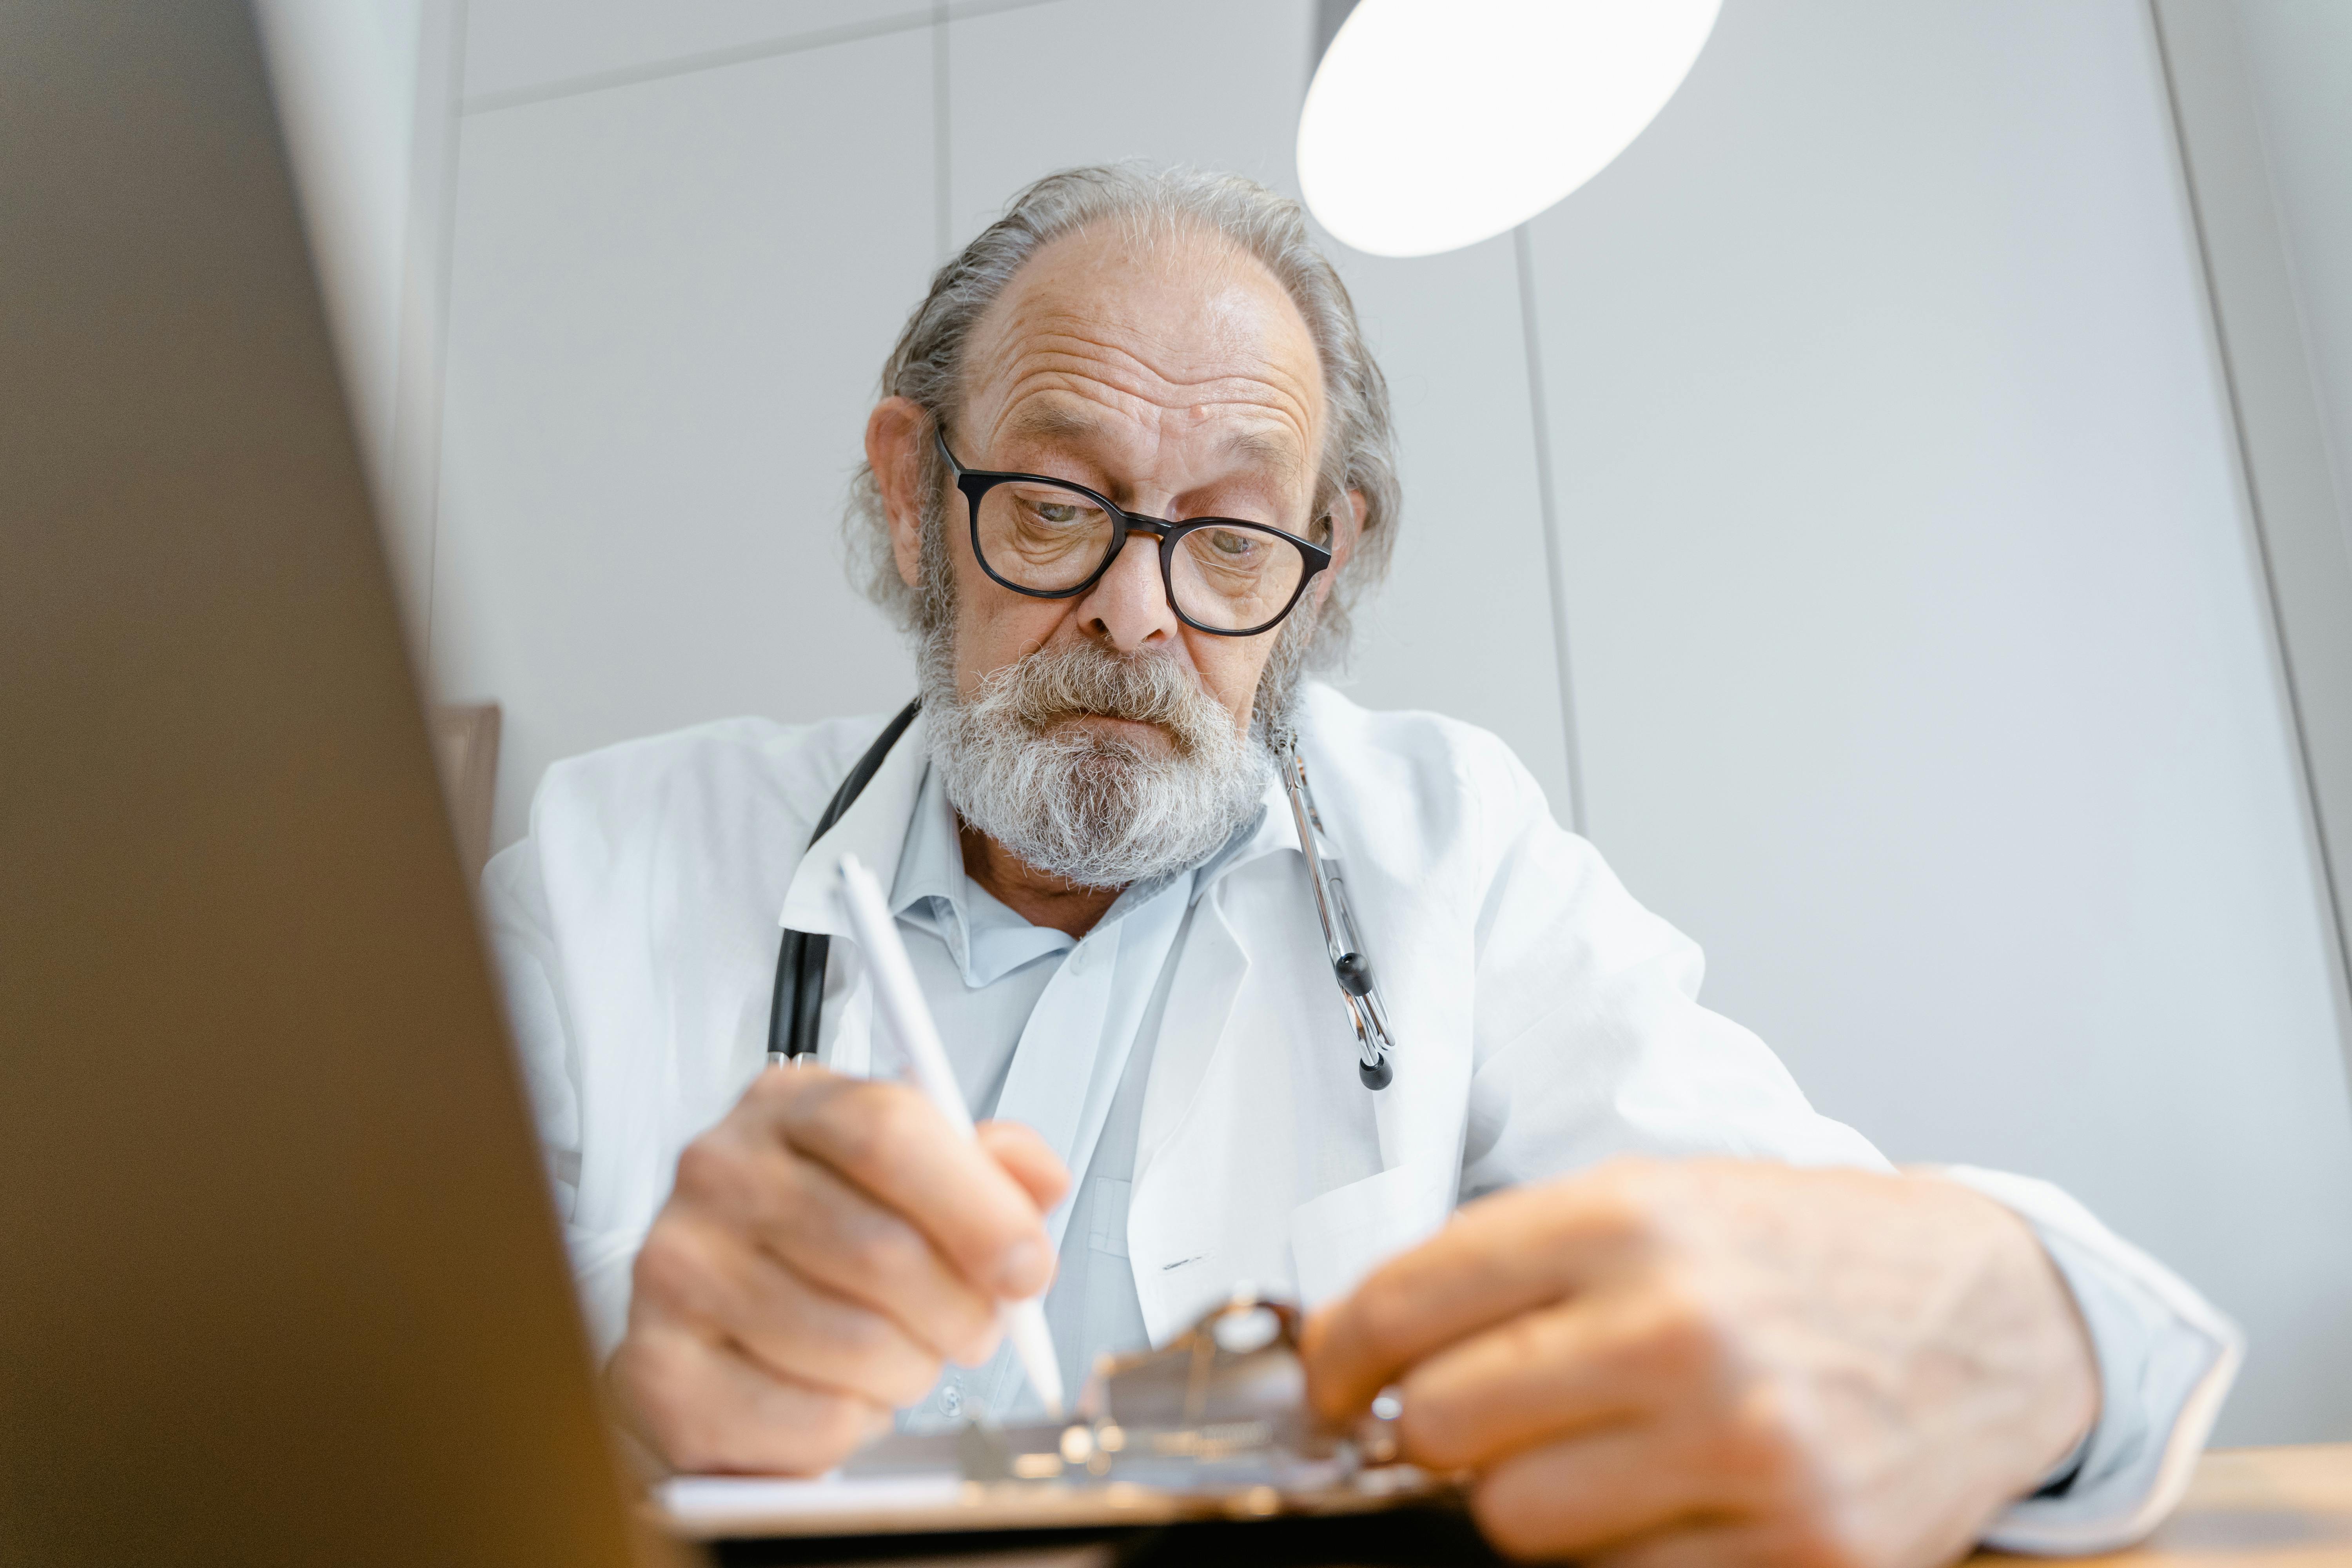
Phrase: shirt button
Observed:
(950, 1398)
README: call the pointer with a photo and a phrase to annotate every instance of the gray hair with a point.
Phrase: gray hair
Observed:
(926, 364)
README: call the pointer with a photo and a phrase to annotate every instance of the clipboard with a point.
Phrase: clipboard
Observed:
(1213, 1427)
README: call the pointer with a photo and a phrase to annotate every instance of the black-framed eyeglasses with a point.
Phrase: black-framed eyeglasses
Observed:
(1050, 539)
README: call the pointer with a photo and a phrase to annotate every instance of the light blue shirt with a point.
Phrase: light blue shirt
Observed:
(1006, 994)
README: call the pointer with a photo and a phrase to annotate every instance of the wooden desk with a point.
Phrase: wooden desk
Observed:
(2266, 1507)
(2263, 1508)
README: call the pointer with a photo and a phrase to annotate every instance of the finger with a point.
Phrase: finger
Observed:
(843, 1240)
(891, 1143)
(706, 1408)
(1496, 1259)
(1590, 1493)
(1694, 1545)
(1612, 1354)
(1030, 1160)
(835, 1235)
(692, 1269)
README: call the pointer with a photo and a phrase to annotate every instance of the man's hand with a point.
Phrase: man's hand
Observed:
(1718, 1361)
(826, 1247)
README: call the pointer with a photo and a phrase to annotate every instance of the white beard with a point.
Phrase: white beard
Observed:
(1096, 809)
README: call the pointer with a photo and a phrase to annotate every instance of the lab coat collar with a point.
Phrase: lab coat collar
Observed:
(873, 829)
(1273, 832)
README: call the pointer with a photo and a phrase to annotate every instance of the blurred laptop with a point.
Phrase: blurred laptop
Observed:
(279, 1281)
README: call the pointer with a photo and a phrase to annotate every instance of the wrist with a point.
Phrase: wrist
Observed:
(2050, 1358)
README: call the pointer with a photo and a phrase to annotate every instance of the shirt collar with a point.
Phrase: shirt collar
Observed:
(932, 890)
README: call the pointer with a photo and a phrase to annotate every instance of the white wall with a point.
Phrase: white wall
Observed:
(1920, 667)
(670, 301)
(1922, 662)
(2299, 55)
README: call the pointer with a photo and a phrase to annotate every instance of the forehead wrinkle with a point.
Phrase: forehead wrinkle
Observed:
(1165, 358)
(1086, 368)
(1091, 312)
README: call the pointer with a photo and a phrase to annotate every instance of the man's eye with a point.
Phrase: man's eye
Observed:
(1231, 544)
(1059, 513)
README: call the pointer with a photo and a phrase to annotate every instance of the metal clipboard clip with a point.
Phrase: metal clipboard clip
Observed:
(1218, 1416)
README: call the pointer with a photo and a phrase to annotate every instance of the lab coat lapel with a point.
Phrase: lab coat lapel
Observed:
(1175, 1203)
(1209, 975)
(1213, 1208)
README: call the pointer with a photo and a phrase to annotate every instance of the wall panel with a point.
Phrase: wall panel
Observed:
(669, 303)
(1921, 652)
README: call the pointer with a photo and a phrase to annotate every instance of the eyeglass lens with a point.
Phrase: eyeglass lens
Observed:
(1226, 576)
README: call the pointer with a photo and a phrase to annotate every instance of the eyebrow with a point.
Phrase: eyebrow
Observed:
(1048, 422)
(1262, 448)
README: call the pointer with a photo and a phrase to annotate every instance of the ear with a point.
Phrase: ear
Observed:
(895, 433)
(1347, 528)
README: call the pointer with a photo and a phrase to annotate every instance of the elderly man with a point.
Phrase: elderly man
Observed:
(1130, 472)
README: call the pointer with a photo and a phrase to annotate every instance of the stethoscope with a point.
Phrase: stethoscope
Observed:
(799, 1001)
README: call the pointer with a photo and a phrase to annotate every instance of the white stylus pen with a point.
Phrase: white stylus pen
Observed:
(901, 1003)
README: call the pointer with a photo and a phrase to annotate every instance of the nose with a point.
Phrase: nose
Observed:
(1129, 607)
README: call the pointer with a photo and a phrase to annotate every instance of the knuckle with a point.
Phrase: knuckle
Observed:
(838, 1425)
(1684, 1338)
(1816, 1539)
(1616, 1206)
(968, 1325)
(881, 1248)
(877, 1125)
(707, 1169)
(658, 1378)
(1504, 1515)
(906, 1376)
(1763, 1449)
(1386, 1319)
(1434, 1431)
(861, 1336)
(670, 1269)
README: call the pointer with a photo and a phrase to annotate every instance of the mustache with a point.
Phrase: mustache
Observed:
(1054, 684)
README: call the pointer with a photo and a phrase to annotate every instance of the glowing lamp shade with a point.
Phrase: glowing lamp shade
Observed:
(1433, 124)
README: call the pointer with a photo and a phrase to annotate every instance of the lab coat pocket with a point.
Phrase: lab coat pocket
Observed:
(1107, 1231)
(1338, 1238)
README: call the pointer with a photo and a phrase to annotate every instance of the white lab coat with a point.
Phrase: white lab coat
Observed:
(1544, 1019)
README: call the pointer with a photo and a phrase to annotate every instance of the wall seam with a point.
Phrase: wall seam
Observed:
(942, 148)
(1547, 506)
(743, 54)
(445, 245)
(2332, 893)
